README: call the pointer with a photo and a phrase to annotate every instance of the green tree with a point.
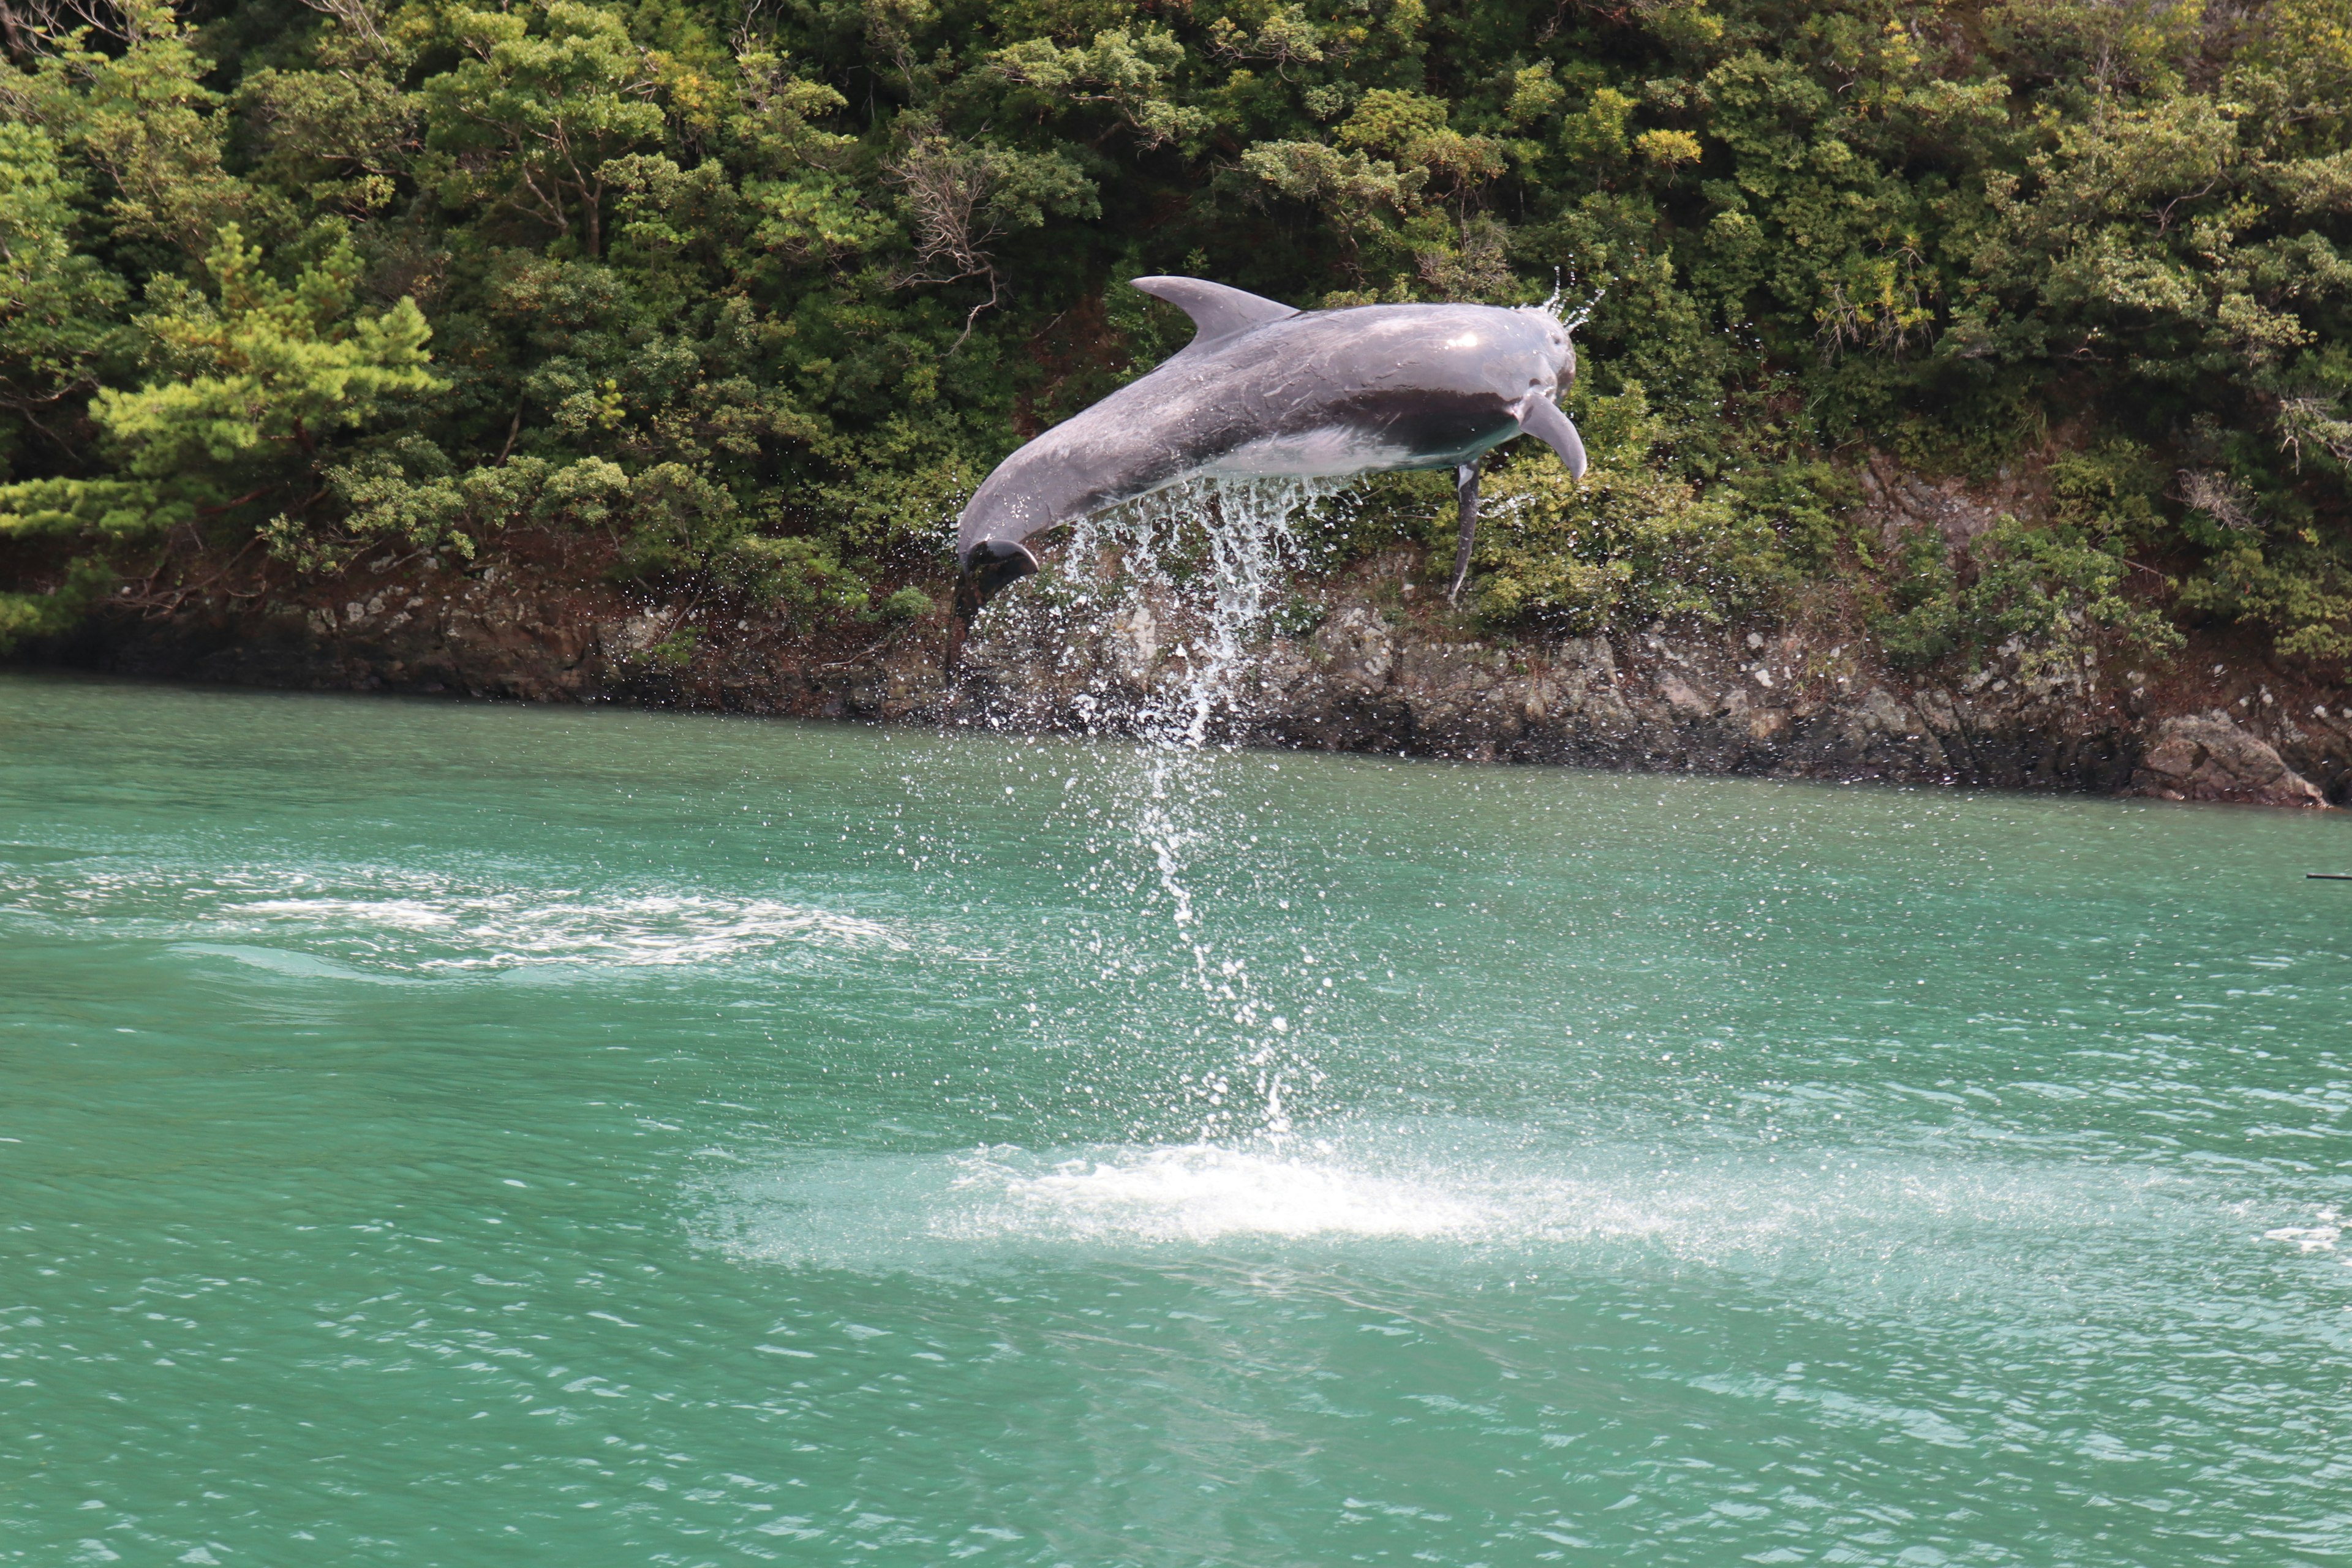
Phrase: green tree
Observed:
(750, 297)
(532, 117)
(260, 381)
(59, 308)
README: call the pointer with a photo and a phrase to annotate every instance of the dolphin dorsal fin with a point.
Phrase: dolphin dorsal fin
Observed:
(1218, 312)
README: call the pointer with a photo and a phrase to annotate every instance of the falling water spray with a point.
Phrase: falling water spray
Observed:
(1210, 559)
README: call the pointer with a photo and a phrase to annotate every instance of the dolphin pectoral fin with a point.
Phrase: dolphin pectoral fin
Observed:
(1465, 491)
(1217, 311)
(1542, 420)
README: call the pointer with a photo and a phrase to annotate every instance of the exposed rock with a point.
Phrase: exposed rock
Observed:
(2208, 757)
(1904, 501)
(1355, 645)
(1797, 701)
(1686, 698)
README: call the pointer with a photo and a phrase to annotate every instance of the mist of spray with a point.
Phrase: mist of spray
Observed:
(1211, 557)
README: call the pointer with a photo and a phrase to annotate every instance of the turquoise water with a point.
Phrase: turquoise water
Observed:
(455, 1135)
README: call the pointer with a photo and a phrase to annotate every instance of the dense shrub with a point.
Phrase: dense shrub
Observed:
(1632, 542)
(760, 291)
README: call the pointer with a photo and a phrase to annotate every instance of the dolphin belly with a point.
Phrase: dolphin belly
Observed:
(1330, 452)
(1374, 435)
(1435, 429)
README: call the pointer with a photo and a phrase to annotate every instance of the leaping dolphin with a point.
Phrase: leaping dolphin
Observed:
(1264, 390)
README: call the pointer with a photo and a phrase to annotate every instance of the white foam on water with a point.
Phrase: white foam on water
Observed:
(360, 921)
(1200, 1192)
(950, 1213)
(2327, 1228)
(508, 930)
(1886, 1224)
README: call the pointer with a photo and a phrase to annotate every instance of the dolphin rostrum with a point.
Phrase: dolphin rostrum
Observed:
(1264, 390)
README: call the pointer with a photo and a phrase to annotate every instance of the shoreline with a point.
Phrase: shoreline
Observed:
(1799, 700)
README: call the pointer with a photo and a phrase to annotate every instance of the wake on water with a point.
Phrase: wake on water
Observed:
(403, 923)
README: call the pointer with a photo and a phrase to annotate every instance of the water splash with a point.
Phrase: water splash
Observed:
(1208, 561)
(1214, 554)
(1194, 1192)
(1896, 1230)
(1554, 306)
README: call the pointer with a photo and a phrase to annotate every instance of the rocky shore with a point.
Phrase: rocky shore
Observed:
(1376, 673)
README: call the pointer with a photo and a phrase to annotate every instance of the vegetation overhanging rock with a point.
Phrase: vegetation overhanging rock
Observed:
(2006, 338)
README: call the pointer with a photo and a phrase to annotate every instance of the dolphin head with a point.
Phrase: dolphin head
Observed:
(990, 567)
(1544, 366)
(1549, 354)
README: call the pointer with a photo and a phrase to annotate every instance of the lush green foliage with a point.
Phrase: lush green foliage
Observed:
(1632, 542)
(756, 291)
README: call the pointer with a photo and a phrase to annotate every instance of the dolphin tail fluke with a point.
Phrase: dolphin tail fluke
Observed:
(1542, 420)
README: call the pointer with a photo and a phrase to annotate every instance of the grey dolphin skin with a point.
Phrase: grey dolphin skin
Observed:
(1264, 390)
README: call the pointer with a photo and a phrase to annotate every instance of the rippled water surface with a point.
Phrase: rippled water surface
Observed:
(446, 1134)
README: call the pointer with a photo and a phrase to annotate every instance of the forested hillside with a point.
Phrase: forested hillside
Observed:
(752, 293)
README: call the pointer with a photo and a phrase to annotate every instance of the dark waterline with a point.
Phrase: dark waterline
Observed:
(447, 1133)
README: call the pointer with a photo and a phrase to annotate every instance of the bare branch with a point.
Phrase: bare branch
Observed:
(32, 27)
(356, 17)
(2221, 498)
(947, 184)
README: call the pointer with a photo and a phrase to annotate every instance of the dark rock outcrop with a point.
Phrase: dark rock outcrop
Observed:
(1377, 673)
(1679, 697)
(2208, 757)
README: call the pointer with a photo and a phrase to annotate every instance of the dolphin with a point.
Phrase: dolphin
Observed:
(1266, 390)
